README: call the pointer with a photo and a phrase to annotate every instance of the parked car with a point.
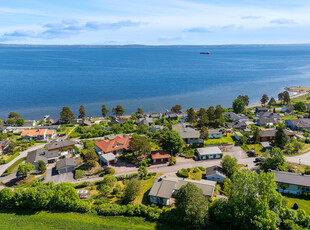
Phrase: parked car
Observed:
(259, 159)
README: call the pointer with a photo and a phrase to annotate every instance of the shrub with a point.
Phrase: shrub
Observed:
(183, 173)
(147, 162)
(111, 171)
(172, 161)
(79, 174)
(132, 190)
(196, 170)
(117, 189)
(203, 169)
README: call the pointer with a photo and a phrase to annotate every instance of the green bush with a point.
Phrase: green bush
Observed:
(147, 162)
(172, 161)
(196, 170)
(203, 169)
(111, 171)
(117, 189)
(79, 174)
(183, 173)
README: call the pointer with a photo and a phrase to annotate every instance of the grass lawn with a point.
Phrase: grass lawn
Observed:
(259, 149)
(46, 220)
(224, 140)
(288, 117)
(303, 204)
(143, 196)
(301, 98)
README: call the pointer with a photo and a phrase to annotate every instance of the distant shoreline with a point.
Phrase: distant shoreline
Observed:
(297, 91)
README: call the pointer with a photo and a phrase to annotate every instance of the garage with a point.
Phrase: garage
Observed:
(65, 165)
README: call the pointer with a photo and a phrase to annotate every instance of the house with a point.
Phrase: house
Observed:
(265, 121)
(4, 145)
(214, 134)
(241, 125)
(171, 115)
(108, 150)
(287, 109)
(156, 115)
(215, 173)
(261, 110)
(269, 134)
(165, 188)
(292, 183)
(65, 165)
(188, 133)
(236, 117)
(48, 119)
(298, 124)
(154, 128)
(118, 120)
(29, 123)
(209, 153)
(38, 134)
(269, 115)
(60, 145)
(85, 123)
(145, 121)
(35, 156)
(160, 156)
(238, 135)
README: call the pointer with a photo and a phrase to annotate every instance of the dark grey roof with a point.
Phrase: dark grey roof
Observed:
(186, 131)
(33, 157)
(237, 124)
(215, 170)
(267, 120)
(214, 131)
(268, 115)
(301, 123)
(59, 144)
(65, 163)
(41, 154)
(272, 133)
(165, 186)
(236, 116)
(291, 178)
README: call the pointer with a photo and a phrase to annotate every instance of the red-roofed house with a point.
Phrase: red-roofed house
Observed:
(160, 156)
(38, 134)
(108, 150)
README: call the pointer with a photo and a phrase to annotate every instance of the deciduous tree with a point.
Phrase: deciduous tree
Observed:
(139, 145)
(172, 141)
(176, 109)
(300, 106)
(238, 105)
(229, 165)
(272, 101)
(20, 121)
(132, 190)
(191, 205)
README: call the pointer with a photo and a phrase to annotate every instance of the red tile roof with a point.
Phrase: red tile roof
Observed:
(115, 144)
(33, 132)
(160, 154)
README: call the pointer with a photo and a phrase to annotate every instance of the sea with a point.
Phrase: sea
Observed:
(40, 80)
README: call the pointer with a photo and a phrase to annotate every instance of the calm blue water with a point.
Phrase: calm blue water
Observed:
(40, 80)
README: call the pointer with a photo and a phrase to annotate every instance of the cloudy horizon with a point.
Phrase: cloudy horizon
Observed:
(176, 22)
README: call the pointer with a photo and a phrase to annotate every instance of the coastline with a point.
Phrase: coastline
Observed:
(296, 92)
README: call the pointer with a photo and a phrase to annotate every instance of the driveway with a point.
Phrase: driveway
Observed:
(52, 175)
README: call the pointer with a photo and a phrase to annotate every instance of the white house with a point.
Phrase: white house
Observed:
(209, 153)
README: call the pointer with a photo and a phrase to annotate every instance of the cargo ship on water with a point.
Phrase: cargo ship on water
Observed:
(205, 52)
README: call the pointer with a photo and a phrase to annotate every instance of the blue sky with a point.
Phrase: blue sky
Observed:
(159, 22)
